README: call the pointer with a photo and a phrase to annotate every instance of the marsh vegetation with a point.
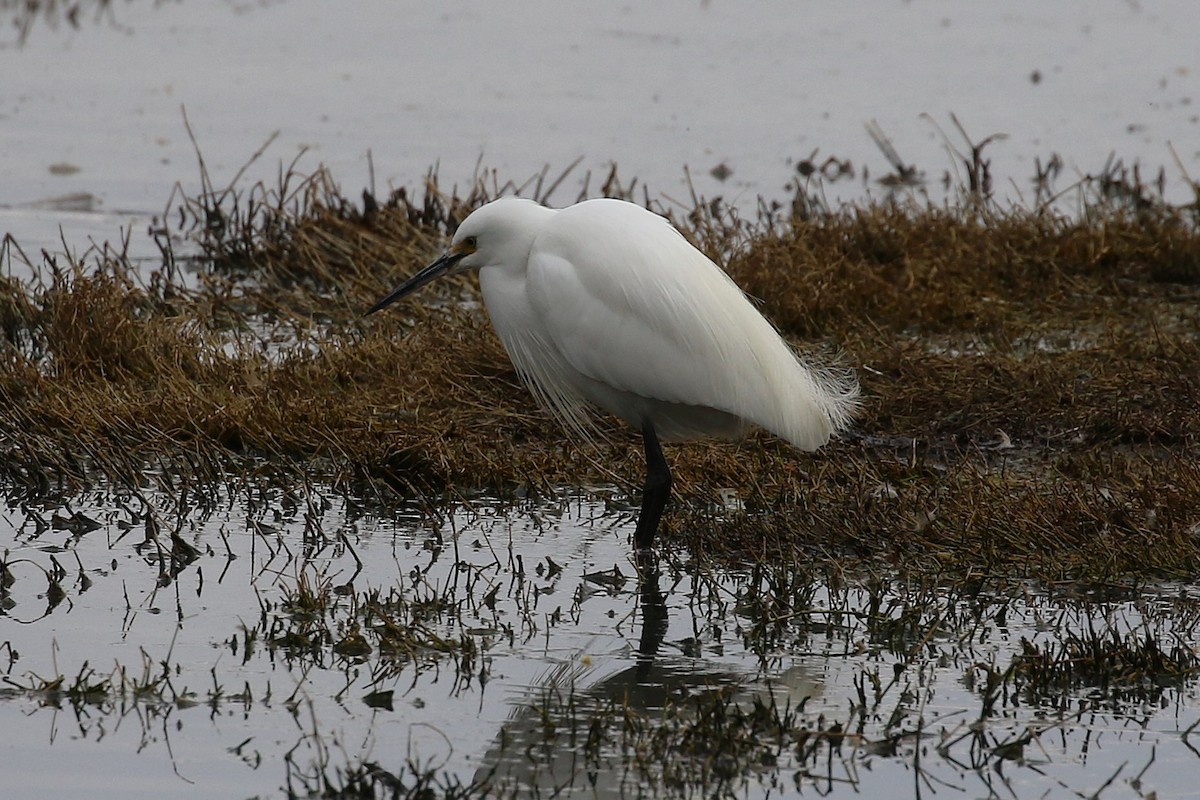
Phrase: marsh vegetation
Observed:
(295, 513)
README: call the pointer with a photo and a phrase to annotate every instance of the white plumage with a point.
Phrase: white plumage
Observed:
(606, 303)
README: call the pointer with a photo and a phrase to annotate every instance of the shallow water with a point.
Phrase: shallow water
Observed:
(527, 654)
(93, 110)
(523, 648)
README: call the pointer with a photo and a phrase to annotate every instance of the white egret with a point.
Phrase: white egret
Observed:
(606, 303)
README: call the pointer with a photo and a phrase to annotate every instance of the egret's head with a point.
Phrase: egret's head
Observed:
(498, 234)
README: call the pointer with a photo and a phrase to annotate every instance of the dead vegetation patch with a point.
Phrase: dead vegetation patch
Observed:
(1031, 379)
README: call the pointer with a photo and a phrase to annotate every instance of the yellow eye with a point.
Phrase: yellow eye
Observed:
(463, 247)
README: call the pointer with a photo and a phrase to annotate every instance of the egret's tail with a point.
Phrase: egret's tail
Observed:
(839, 393)
(824, 402)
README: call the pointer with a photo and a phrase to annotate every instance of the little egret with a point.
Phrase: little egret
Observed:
(606, 303)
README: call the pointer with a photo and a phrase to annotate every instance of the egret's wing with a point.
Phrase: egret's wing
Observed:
(629, 303)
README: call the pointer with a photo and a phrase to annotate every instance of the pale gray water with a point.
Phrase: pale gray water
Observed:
(92, 139)
(90, 118)
(543, 631)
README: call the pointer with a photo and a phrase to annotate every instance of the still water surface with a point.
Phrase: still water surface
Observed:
(529, 636)
(539, 610)
(92, 134)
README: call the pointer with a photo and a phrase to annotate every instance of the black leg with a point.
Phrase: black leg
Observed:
(655, 492)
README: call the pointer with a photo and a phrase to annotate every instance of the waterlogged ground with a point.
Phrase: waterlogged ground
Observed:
(226, 637)
(258, 642)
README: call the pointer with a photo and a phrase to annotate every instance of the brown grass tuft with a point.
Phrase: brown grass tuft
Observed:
(1031, 380)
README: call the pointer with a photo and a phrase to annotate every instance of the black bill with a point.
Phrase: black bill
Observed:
(442, 266)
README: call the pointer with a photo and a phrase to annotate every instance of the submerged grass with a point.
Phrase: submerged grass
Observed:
(658, 728)
(1031, 379)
